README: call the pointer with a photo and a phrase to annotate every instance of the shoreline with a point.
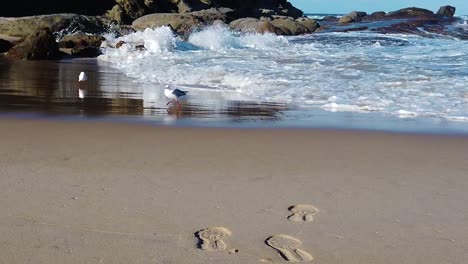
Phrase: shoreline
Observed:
(116, 193)
(47, 92)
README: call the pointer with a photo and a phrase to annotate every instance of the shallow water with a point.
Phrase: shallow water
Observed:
(358, 80)
(398, 75)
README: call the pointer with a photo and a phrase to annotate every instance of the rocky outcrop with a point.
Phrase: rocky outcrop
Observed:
(354, 16)
(39, 45)
(289, 26)
(310, 24)
(254, 25)
(81, 45)
(23, 26)
(128, 10)
(81, 40)
(409, 12)
(375, 16)
(181, 23)
(446, 11)
(279, 26)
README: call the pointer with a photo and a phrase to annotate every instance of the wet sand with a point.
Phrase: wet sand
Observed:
(116, 193)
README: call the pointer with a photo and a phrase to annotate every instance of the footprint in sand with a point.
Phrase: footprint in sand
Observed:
(211, 238)
(302, 213)
(288, 247)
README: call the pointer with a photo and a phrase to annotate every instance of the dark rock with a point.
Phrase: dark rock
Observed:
(64, 23)
(447, 11)
(354, 16)
(117, 15)
(66, 44)
(88, 52)
(135, 8)
(289, 26)
(375, 15)
(254, 25)
(409, 12)
(40, 45)
(330, 18)
(5, 45)
(353, 29)
(81, 41)
(140, 47)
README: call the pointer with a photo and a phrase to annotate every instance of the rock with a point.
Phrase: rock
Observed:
(82, 45)
(308, 23)
(329, 18)
(88, 52)
(447, 11)
(186, 6)
(81, 41)
(117, 15)
(24, 26)
(289, 26)
(5, 45)
(410, 12)
(344, 20)
(354, 16)
(254, 25)
(119, 44)
(375, 15)
(39, 45)
(66, 44)
(181, 23)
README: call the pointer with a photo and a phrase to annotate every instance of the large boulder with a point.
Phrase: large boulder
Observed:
(375, 16)
(39, 45)
(289, 26)
(181, 23)
(410, 12)
(308, 23)
(117, 15)
(354, 16)
(447, 11)
(81, 40)
(24, 26)
(279, 25)
(129, 10)
(254, 25)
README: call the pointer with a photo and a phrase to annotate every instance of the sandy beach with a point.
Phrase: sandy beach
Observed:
(116, 193)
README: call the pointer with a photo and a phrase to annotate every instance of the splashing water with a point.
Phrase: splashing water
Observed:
(395, 74)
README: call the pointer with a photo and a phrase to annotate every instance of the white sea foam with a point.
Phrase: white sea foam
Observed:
(216, 37)
(404, 76)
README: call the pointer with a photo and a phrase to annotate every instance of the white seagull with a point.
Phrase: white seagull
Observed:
(82, 79)
(174, 95)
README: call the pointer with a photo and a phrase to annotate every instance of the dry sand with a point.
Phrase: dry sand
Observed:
(116, 193)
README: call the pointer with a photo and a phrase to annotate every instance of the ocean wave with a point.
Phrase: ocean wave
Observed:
(405, 76)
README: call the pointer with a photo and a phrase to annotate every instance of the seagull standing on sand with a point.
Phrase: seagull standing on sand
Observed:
(174, 95)
(82, 80)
